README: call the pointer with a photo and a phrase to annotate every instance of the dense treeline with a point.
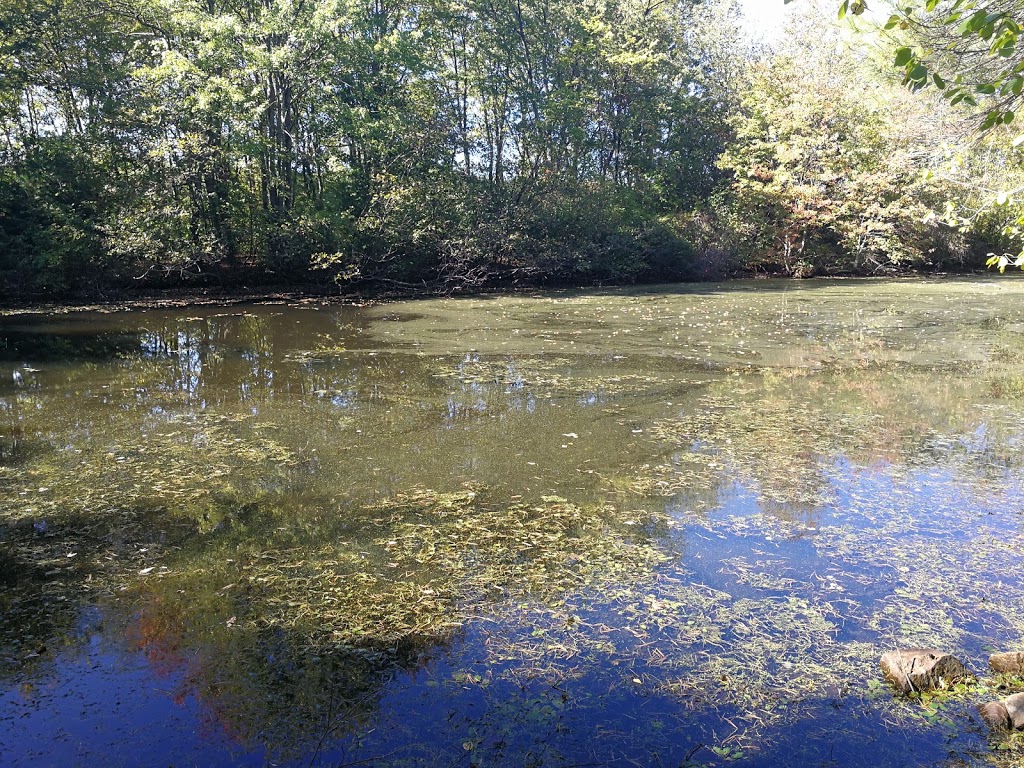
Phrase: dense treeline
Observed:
(451, 143)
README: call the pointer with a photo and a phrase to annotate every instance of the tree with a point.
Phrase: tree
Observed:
(964, 48)
(387, 140)
(64, 89)
(828, 163)
(967, 50)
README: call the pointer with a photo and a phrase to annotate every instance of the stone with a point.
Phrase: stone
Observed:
(1007, 663)
(1015, 709)
(1008, 713)
(921, 669)
(994, 713)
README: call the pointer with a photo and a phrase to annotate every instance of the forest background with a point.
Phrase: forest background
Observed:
(445, 145)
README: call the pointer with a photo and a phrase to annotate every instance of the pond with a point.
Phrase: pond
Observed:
(670, 526)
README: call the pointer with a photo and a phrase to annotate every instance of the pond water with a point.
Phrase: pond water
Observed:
(673, 526)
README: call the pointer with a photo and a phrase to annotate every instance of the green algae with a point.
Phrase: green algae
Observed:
(442, 559)
(156, 468)
(363, 508)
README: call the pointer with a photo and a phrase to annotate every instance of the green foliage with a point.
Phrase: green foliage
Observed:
(967, 51)
(53, 197)
(964, 30)
(462, 144)
(394, 142)
(828, 166)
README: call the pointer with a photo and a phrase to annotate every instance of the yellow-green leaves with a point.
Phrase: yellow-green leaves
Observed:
(856, 7)
(968, 34)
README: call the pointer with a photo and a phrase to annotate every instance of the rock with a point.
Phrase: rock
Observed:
(921, 669)
(1007, 663)
(1008, 713)
(1015, 709)
(994, 713)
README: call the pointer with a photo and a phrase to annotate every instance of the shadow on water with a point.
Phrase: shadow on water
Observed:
(83, 612)
(53, 566)
(29, 339)
(17, 447)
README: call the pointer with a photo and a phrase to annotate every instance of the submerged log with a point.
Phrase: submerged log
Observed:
(921, 669)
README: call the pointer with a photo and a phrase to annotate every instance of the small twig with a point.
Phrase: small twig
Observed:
(375, 757)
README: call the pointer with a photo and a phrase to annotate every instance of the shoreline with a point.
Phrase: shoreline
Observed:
(172, 298)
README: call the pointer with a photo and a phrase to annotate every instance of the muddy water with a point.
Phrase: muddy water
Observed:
(670, 527)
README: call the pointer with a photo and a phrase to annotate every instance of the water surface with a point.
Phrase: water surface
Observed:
(673, 526)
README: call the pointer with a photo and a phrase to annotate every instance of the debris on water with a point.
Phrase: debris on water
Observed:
(743, 562)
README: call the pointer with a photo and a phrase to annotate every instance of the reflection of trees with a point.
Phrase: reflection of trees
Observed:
(287, 622)
(21, 343)
(161, 422)
(283, 593)
(345, 413)
(36, 611)
(16, 447)
(785, 439)
(262, 687)
(52, 566)
(285, 618)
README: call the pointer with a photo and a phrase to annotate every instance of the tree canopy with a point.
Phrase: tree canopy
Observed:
(451, 144)
(968, 51)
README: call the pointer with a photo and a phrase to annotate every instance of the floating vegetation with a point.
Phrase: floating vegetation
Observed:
(548, 374)
(326, 349)
(157, 468)
(738, 438)
(509, 372)
(667, 528)
(782, 438)
(441, 558)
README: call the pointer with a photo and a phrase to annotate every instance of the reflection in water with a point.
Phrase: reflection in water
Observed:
(658, 527)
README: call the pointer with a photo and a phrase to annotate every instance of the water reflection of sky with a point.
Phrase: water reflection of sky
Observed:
(928, 500)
